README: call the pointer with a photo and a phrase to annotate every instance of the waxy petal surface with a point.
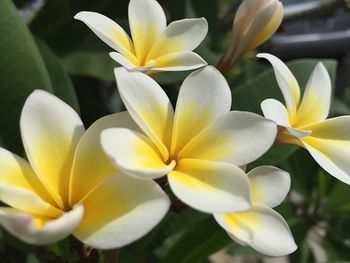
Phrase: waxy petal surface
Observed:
(315, 104)
(181, 35)
(50, 132)
(91, 165)
(276, 111)
(287, 83)
(209, 186)
(269, 233)
(236, 137)
(121, 210)
(134, 154)
(147, 22)
(203, 97)
(39, 230)
(148, 105)
(268, 185)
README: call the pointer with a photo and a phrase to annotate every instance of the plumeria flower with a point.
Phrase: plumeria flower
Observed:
(154, 45)
(255, 22)
(199, 147)
(68, 186)
(261, 227)
(304, 121)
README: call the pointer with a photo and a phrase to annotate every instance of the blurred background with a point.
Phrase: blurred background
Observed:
(42, 46)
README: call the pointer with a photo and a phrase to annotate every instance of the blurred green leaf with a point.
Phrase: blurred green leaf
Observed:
(61, 83)
(93, 64)
(197, 243)
(22, 70)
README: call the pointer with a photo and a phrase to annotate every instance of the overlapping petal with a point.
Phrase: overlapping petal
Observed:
(268, 185)
(329, 145)
(50, 132)
(262, 228)
(203, 97)
(121, 210)
(91, 165)
(236, 137)
(147, 22)
(178, 61)
(210, 186)
(287, 83)
(315, 104)
(181, 35)
(40, 230)
(134, 153)
(276, 111)
(148, 105)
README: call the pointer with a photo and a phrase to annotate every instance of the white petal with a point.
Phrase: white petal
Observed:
(275, 110)
(29, 228)
(236, 137)
(209, 186)
(120, 211)
(50, 131)
(91, 165)
(298, 132)
(181, 35)
(271, 234)
(179, 61)
(148, 105)
(109, 32)
(268, 185)
(316, 101)
(134, 154)
(329, 145)
(123, 61)
(203, 97)
(147, 22)
(287, 83)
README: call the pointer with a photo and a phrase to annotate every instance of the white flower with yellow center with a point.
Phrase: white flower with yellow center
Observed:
(69, 186)
(304, 122)
(154, 45)
(199, 147)
(261, 227)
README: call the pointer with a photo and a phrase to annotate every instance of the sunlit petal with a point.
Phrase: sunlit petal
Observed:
(316, 100)
(178, 61)
(203, 97)
(147, 22)
(236, 137)
(148, 105)
(287, 83)
(50, 132)
(268, 185)
(329, 145)
(276, 111)
(134, 153)
(181, 35)
(209, 186)
(39, 230)
(121, 210)
(91, 165)
(270, 233)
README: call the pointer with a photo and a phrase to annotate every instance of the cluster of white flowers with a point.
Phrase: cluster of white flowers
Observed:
(98, 184)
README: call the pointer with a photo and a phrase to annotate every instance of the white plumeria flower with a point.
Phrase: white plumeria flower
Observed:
(199, 147)
(304, 121)
(69, 186)
(154, 45)
(261, 227)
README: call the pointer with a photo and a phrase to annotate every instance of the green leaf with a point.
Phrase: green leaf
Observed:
(93, 64)
(197, 243)
(61, 82)
(22, 70)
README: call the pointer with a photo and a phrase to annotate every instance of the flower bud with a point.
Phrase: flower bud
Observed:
(254, 23)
